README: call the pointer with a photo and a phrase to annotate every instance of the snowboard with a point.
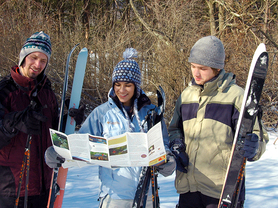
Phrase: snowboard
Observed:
(61, 174)
(246, 121)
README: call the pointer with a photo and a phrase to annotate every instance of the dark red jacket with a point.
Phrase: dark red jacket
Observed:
(15, 92)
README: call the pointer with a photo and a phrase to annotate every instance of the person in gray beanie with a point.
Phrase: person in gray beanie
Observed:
(28, 107)
(203, 126)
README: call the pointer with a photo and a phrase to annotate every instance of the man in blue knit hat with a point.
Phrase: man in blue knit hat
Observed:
(28, 107)
(203, 126)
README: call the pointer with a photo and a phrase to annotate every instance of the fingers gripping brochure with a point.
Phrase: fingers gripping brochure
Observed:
(126, 150)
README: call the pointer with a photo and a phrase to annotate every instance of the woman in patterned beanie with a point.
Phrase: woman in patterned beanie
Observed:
(124, 111)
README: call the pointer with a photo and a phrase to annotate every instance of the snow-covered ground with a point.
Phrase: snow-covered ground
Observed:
(261, 183)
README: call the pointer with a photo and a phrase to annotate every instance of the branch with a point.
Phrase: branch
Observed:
(269, 38)
(151, 31)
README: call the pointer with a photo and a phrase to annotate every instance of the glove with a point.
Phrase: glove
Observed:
(52, 158)
(77, 114)
(27, 121)
(251, 145)
(177, 147)
(169, 167)
(8, 126)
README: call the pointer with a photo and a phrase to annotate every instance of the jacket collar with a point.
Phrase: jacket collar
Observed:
(27, 84)
(220, 82)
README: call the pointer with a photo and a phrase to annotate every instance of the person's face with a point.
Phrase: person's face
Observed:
(202, 73)
(33, 65)
(124, 92)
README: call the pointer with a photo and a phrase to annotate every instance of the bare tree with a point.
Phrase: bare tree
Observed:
(163, 32)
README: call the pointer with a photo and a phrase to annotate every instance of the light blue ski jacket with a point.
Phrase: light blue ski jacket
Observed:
(108, 120)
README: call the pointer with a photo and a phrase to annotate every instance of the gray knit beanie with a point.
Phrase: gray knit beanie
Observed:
(208, 51)
(38, 42)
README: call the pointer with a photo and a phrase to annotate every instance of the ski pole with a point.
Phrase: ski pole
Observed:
(154, 188)
(155, 197)
(25, 158)
(27, 172)
(239, 183)
(148, 174)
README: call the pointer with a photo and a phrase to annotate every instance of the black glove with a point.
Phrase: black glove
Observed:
(251, 145)
(177, 147)
(52, 158)
(8, 126)
(77, 114)
(27, 121)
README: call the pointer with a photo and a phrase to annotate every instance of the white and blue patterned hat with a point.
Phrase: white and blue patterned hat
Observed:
(38, 42)
(128, 70)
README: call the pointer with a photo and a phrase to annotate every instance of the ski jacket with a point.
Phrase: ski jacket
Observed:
(15, 95)
(205, 117)
(108, 120)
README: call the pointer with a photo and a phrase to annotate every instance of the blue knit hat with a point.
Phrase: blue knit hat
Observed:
(128, 70)
(208, 51)
(38, 42)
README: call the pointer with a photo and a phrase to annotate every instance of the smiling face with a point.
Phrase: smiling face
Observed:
(33, 65)
(124, 91)
(202, 73)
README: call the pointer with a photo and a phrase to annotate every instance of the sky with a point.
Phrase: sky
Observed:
(261, 183)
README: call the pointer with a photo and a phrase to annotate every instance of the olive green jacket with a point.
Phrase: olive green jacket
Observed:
(205, 117)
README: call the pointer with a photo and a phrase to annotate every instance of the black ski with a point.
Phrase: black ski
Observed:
(249, 111)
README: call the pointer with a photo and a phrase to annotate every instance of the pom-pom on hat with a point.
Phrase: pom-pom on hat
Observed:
(208, 51)
(38, 42)
(128, 70)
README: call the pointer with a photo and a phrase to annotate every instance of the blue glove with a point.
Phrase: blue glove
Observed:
(177, 147)
(251, 145)
(52, 158)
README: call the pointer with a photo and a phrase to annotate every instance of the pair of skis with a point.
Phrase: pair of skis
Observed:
(59, 176)
(148, 176)
(249, 111)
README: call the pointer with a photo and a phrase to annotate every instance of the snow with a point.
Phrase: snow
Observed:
(261, 183)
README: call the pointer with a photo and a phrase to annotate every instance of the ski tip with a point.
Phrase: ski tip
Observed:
(261, 48)
(84, 50)
(74, 47)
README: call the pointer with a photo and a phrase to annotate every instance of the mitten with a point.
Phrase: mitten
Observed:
(251, 145)
(28, 121)
(77, 114)
(177, 147)
(169, 167)
(8, 125)
(52, 158)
